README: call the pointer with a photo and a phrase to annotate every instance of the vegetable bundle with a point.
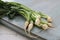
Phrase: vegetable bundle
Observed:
(11, 9)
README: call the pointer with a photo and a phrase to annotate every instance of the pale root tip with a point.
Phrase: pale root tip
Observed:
(45, 27)
(50, 24)
(26, 24)
(30, 26)
(37, 21)
(49, 19)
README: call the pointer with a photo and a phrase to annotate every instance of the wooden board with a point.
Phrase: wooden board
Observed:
(51, 8)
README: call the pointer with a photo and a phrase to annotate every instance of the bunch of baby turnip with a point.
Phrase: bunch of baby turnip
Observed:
(33, 18)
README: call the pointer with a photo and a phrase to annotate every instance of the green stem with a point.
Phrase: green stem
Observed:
(19, 5)
(43, 15)
(25, 13)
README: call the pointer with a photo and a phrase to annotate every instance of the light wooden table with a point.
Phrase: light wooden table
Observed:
(7, 34)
